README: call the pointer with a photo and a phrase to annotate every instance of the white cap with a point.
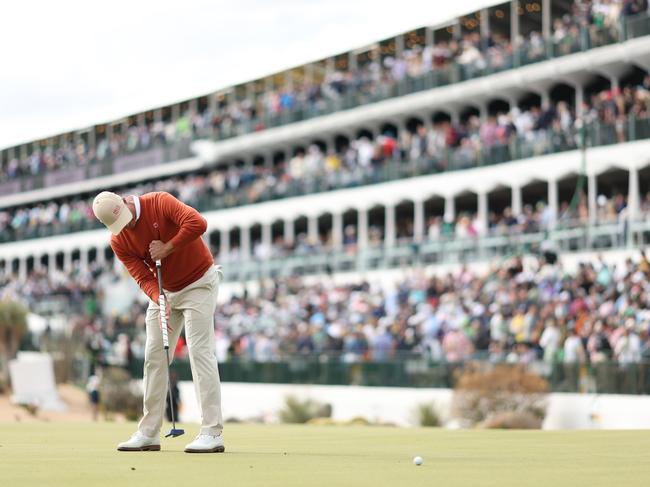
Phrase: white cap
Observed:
(111, 210)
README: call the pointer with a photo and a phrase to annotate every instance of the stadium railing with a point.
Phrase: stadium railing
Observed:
(544, 142)
(589, 37)
(416, 371)
(445, 249)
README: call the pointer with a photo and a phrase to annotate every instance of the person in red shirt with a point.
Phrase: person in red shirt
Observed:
(156, 226)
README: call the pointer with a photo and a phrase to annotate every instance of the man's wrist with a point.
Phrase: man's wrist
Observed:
(169, 248)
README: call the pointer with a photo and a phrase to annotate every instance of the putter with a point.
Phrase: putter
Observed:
(174, 432)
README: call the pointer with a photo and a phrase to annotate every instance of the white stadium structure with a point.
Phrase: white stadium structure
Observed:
(518, 130)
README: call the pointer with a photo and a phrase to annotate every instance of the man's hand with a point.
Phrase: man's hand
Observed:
(159, 250)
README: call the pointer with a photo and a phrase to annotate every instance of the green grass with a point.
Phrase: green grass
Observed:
(75, 455)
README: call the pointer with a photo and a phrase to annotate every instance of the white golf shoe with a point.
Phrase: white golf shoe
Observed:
(206, 444)
(139, 442)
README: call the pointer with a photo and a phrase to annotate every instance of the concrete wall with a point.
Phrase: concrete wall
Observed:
(247, 401)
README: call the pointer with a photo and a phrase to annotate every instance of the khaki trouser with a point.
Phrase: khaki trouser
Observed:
(193, 306)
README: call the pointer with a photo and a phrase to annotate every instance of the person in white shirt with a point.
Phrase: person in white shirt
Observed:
(628, 346)
(574, 352)
(550, 340)
(574, 357)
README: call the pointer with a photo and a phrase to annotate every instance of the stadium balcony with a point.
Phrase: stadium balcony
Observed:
(144, 143)
(385, 225)
(410, 152)
(252, 187)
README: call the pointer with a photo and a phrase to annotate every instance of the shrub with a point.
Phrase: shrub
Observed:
(484, 393)
(427, 415)
(513, 420)
(297, 411)
(117, 395)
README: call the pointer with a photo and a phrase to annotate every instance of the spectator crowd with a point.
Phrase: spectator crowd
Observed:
(377, 78)
(514, 312)
(442, 145)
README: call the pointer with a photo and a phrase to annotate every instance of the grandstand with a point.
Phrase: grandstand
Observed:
(487, 146)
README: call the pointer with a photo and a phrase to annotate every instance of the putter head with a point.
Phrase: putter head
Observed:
(174, 432)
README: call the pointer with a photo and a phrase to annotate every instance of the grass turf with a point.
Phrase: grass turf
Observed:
(75, 455)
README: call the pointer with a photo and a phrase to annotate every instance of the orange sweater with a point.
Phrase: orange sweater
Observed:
(163, 217)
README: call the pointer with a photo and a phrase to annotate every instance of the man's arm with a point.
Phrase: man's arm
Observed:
(140, 272)
(190, 222)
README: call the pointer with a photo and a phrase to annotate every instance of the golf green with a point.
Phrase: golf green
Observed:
(75, 455)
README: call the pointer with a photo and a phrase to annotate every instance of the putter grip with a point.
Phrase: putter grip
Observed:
(162, 306)
(163, 320)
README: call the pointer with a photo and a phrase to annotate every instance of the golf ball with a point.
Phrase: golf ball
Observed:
(418, 460)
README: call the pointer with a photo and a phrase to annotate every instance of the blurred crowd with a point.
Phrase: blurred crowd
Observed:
(510, 313)
(513, 312)
(424, 149)
(374, 77)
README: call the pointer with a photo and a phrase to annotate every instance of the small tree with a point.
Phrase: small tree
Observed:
(13, 326)
(301, 411)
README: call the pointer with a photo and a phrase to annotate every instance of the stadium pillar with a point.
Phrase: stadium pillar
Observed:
(483, 111)
(101, 256)
(484, 26)
(38, 265)
(212, 103)
(362, 228)
(418, 220)
(633, 194)
(546, 20)
(455, 116)
(450, 209)
(92, 138)
(514, 28)
(266, 236)
(399, 45)
(389, 236)
(428, 123)
(545, 98)
(580, 94)
(592, 190)
(289, 231)
(312, 229)
(516, 200)
(552, 201)
(83, 258)
(117, 265)
(245, 240)
(224, 244)
(67, 261)
(268, 160)
(337, 230)
(428, 36)
(482, 212)
(51, 263)
(615, 83)
(22, 268)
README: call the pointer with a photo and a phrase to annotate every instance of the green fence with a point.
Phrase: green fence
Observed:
(603, 378)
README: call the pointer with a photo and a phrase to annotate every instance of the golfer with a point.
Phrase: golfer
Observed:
(156, 226)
